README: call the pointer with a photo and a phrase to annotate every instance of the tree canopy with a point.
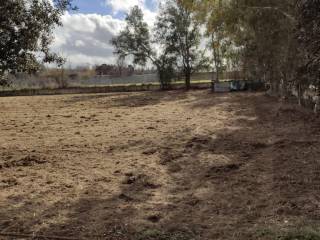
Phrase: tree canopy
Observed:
(180, 34)
(26, 33)
(173, 44)
(136, 41)
(275, 41)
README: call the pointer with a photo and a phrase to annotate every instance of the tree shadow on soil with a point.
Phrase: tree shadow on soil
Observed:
(139, 99)
(233, 183)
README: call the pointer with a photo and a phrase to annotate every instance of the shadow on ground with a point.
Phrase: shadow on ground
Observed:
(139, 99)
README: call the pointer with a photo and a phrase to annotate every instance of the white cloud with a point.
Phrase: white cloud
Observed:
(79, 43)
(124, 5)
(85, 38)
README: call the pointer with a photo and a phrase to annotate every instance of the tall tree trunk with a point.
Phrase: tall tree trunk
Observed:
(317, 103)
(300, 94)
(284, 88)
(161, 78)
(188, 80)
(212, 80)
(63, 81)
(216, 76)
(217, 65)
(274, 83)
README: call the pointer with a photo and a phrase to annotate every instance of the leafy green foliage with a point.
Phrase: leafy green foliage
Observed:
(259, 37)
(26, 33)
(309, 37)
(135, 41)
(174, 43)
(180, 35)
(308, 28)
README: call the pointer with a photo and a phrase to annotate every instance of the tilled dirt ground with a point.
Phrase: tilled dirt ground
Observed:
(157, 165)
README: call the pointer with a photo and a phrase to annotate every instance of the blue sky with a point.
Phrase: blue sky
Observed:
(93, 6)
(102, 7)
(84, 38)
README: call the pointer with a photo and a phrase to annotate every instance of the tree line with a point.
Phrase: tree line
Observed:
(276, 41)
(273, 41)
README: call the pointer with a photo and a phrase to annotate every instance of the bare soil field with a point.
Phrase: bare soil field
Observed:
(158, 166)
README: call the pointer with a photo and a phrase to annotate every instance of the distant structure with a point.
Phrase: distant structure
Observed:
(120, 71)
(113, 70)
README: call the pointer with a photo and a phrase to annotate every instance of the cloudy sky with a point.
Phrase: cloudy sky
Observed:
(85, 35)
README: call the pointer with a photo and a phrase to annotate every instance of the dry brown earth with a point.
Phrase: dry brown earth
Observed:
(158, 165)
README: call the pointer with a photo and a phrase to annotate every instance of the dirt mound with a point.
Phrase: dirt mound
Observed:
(198, 142)
(223, 169)
(150, 151)
(139, 181)
(169, 155)
(9, 182)
(27, 161)
(137, 187)
(294, 113)
(282, 143)
(154, 218)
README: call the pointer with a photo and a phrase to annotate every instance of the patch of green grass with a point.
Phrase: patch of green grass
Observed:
(154, 234)
(302, 234)
(270, 234)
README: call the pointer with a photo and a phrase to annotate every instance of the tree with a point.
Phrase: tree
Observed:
(180, 34)
(26, 33)
(275, 41)
(135, 40)
(309, 38)
(219, 40)
(121, 64)
(212, 14)
(261, 32)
